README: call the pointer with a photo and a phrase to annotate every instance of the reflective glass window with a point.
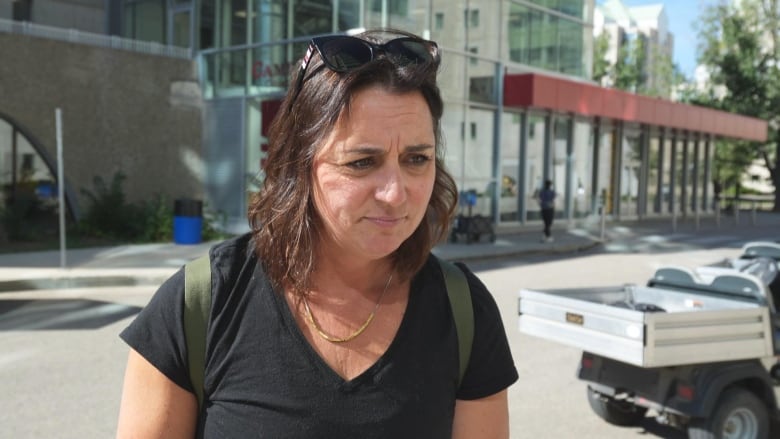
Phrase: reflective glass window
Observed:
(559, 156)
(574, 8)
(474, 18)
(582, 169)
(145, 21)
(604, 168)
(546, 41)
(268, 21)
(482, 81)
(509, 208)
(438, 22)
(666, 177)
(24, 177)
(534, 165)
(396, 14)
(181, 29)
(653, 156)
(629, 174)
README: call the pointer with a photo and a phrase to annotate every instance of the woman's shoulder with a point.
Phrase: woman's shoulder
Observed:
(234, 247)
(229, 256)
(478, 290)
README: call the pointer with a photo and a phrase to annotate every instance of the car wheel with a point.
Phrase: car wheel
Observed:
(738, 414)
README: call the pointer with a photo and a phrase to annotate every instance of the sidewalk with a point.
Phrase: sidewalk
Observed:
(151, 264)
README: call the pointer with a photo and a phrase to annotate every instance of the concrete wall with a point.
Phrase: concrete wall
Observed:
(122, 111)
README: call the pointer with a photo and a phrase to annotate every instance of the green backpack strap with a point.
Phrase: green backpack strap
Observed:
(197, 307)
(462, 311)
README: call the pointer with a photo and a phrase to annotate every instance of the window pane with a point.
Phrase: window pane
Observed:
(181, 29)
(546, 41)
(582, 168)
(509, 209)
(148, 22)
(534, 165)
(559, 156)
(575, 8)
(397, 14)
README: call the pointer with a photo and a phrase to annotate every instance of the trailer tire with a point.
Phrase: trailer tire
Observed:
(738, 414)
(615, 412)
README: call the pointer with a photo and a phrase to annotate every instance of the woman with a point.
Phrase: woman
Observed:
(330, 319)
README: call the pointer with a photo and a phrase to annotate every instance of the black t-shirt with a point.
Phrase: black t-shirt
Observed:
(264, 380)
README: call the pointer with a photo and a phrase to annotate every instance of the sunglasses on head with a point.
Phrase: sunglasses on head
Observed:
(342, 53)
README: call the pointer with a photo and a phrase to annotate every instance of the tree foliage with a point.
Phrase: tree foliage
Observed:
(601, 65)
(630, 66)
(738, 46)
(639, 68)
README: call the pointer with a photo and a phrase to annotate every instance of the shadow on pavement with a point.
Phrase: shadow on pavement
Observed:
(653, 428)
(30, 315)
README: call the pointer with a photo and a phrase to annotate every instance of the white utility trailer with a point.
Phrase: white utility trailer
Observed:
(696, 346)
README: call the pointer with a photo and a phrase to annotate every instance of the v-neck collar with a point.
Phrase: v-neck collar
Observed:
(368, 375)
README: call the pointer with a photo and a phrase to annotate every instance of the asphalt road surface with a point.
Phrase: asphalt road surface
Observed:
(61, 362)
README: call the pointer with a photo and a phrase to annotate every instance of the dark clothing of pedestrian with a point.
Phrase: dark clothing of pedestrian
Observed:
(547, 217)
(547, 203)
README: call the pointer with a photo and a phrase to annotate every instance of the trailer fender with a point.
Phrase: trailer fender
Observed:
(713, 380)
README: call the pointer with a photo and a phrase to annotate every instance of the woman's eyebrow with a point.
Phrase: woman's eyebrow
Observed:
(419, 148)
(372, 150)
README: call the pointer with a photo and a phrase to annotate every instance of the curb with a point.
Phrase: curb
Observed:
(94, 281)
(130, 279)
(573, 248)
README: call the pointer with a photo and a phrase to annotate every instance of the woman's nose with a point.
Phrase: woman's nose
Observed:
(391, 188)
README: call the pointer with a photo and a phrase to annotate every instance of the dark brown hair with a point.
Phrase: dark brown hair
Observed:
(284, 221)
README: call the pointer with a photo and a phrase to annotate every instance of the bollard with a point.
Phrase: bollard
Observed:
(717, 213)
(603, 222)
(754, 212)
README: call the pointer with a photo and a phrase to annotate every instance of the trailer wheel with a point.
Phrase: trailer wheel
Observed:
(738, 414)
(614, 411)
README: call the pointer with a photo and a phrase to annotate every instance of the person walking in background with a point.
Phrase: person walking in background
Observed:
(547, 203)
(331, 318)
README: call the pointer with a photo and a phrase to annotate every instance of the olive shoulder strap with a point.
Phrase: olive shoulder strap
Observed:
(197, 306)
(462, 311)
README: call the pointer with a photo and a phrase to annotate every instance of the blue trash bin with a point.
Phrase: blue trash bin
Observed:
(187, 221)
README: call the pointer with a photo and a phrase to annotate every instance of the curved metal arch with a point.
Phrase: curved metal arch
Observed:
(50, 162)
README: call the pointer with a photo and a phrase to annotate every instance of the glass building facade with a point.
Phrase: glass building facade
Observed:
(496, 148)
(246, 50)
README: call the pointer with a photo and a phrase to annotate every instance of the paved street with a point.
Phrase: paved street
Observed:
(61, 363)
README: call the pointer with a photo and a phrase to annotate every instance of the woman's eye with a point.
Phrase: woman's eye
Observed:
(419, 159)
(362, 163)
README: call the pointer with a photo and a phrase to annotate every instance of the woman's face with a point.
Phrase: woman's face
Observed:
(374, 174)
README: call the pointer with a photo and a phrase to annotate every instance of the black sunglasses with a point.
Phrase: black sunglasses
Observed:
(342, 53)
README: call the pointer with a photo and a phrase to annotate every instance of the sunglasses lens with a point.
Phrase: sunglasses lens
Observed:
(409, 51)
(343, 54)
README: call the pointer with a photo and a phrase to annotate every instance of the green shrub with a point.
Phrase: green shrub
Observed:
(14, 219)
(213, 225)
(108, 215)
(157, 216)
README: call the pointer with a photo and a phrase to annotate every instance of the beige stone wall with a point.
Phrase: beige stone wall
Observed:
(122, 111)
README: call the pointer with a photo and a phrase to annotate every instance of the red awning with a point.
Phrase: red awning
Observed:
(532, 90)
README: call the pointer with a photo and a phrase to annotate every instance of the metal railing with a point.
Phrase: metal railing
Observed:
(92, 39)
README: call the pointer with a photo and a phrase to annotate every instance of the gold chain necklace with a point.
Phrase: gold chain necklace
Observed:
(359, 331)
